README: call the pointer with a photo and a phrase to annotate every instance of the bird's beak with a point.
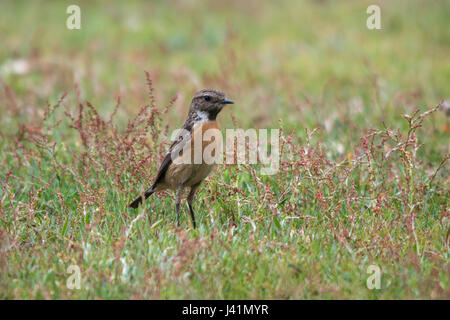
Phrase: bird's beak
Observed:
(227, 101)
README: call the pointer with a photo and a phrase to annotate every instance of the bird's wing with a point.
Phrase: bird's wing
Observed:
(179, 144)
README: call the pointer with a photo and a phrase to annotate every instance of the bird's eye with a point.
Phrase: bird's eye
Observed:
(207, 98)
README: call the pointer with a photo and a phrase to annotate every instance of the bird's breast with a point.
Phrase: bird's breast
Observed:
(210, 136)
(205, 144)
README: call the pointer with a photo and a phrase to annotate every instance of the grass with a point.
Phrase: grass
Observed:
(82, 132)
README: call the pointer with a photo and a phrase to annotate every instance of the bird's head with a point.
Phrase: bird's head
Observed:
(207, 103)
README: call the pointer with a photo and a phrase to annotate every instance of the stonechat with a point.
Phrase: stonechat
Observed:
(205, 107)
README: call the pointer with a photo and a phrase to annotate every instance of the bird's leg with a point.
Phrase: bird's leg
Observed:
(177, 203)
(192, 215)
(190, 198)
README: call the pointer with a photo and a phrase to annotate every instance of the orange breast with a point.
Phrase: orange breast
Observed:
(209, 133)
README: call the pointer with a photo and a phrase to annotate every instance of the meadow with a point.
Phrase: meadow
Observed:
(363, 183)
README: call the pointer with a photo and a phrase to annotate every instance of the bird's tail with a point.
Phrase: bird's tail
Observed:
(139, 200)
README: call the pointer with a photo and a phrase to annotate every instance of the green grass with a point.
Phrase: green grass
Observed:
(336, 206)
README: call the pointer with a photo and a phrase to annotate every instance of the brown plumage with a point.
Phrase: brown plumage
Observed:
(205, 107)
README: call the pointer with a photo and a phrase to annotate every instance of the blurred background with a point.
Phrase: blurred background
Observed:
(310, 63)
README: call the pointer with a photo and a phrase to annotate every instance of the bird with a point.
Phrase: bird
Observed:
(205, 106)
